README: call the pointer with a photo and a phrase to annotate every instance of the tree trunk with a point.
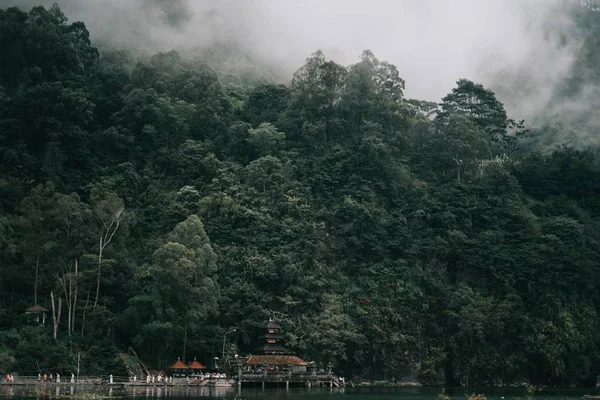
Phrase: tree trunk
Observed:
(66, 282)
(37, 269)
(69, 309)
(111, 227)
(55, 315)
(98, 278)
(140, 361)
(74, 309)
(184, 343)
(87, 303)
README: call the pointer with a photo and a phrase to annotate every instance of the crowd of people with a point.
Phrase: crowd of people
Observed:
(161, 379)
(10, 378)
(52, 378)
(150, 379)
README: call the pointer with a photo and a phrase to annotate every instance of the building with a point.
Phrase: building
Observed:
(196, 367)
(272, 354)
(36, 314)
(179, 368)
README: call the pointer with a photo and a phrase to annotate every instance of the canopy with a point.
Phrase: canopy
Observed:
(196, 365)
(272, 324)
(275, 360)
(179, 365)
(36, 309)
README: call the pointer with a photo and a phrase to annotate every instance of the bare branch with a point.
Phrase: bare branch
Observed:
(119, 214)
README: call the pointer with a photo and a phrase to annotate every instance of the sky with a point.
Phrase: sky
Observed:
(503, 44)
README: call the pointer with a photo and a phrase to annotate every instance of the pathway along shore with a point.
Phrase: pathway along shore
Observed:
(120, 381)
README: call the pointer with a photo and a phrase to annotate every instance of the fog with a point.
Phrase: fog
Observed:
(503, 44)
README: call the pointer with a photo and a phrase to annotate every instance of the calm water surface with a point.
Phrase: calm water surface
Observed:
(66, 392)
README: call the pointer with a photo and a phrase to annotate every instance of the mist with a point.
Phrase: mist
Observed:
(503, 44)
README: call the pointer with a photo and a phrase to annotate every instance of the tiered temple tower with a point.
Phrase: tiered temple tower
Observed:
(271, 353)
(271, 340)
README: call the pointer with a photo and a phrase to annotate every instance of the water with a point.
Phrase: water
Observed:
(66, 392)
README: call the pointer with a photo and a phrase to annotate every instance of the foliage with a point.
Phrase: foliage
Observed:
(443, 395)
(476, 397)
(390, 237)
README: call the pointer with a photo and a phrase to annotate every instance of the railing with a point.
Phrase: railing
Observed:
(64, 379)
(284, 376)
(270, 376)
(102, 379)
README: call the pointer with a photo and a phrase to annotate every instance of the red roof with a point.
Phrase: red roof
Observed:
(196, 365)
(36, 309)
(275, 360)
(179, 365)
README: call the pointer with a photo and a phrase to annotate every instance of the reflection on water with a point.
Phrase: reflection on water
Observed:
(71, 392)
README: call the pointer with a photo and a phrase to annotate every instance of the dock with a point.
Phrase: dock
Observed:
(246, 379)
(287, 379)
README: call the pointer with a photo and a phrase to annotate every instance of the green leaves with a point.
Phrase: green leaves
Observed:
(181, 291)
(390, 237)
(40, 46)
(477, 104)
(266, 139)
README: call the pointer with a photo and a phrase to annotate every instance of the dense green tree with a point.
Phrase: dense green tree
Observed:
(480, 106)
(167, 199)
(180, 293)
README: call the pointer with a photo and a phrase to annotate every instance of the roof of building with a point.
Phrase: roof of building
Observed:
(268, 335)
(275, 360)
(196, 365)
(272, 324)
(179, 365)
(271, 348)
(35, 309)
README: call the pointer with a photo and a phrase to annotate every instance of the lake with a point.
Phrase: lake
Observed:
(51, 392)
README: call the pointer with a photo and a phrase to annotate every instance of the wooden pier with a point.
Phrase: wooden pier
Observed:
(287, 378)
(263, 380)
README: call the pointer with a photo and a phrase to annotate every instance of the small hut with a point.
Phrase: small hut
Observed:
(196, 367)
(179, 368)
(36, 314)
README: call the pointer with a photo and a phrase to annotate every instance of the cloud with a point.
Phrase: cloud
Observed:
(504, 44)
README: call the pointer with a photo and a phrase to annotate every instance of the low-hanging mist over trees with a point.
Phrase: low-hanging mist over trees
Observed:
(527, 52)
(154, 201)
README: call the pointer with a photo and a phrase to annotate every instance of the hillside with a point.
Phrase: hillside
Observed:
(166, 202)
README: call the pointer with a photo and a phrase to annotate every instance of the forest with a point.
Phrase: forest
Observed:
(155, 202)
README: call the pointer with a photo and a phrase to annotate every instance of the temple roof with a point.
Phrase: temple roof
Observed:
(196, 365)
(179, 365)
(271, 348)
(275, 360)
(272, 324)
(270, 340)
(36, 309)
(271, 336)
